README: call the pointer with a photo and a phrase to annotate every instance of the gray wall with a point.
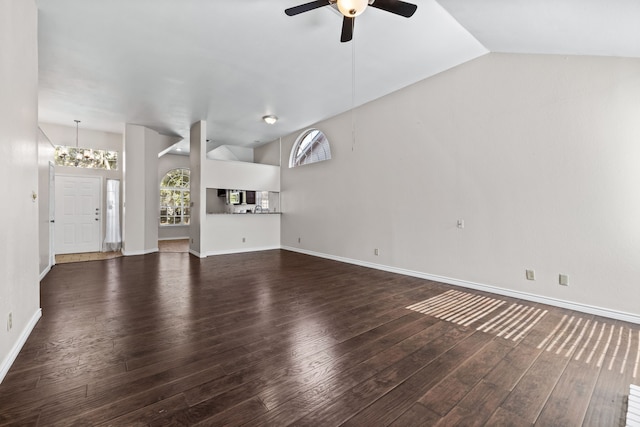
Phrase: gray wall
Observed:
(538, 154)
(268, 154)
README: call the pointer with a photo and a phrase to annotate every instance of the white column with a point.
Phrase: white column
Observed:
(197, 157)
(141, 191)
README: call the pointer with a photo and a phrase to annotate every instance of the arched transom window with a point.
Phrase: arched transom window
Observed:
(175, 198)
(311, 146)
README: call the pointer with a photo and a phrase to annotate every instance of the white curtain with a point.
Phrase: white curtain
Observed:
(113, 239)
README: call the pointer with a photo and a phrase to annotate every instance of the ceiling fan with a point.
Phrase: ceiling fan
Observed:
(352, 8)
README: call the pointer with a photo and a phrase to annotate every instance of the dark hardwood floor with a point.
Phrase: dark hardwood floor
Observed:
(277, 338)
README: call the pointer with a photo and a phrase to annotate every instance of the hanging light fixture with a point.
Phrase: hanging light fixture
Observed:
(78, 153)
(91, 158)
(77, 123)
(352, 8)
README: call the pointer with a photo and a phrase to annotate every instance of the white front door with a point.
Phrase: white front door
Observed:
(78, 216)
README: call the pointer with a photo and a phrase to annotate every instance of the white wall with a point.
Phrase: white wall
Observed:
(166, 143)
(19, 287)
(232, 153)
(224, 234)
(538, 154)
(165, 164)
(87, 138)
(240, 175)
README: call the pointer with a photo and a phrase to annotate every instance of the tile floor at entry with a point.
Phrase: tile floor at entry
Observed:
(181, 245)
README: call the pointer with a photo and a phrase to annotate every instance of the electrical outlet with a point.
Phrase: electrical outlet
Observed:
(563, 280)
(376, 252)
(460, 224)
(10, 322)
(530, 274)
(244, 240)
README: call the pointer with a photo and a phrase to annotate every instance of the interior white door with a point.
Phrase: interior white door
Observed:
(78, 217)
(52, 214)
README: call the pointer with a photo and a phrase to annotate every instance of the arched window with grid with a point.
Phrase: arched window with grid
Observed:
(175, 198)
(311, 146)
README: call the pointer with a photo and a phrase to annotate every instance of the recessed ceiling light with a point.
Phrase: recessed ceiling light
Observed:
(270, 119)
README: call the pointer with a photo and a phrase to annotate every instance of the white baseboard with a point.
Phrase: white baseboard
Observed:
(243, 250)
(173, 238)
(45, 272)
(15, 350)
(196, 254)
(144, 252)
(584, 308)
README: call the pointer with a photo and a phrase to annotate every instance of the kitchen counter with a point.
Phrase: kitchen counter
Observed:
(244, 213)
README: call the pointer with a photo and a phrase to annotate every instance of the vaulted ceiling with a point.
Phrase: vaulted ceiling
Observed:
(165, 64)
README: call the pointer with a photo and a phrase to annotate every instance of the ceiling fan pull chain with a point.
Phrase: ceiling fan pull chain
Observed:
(353, 95)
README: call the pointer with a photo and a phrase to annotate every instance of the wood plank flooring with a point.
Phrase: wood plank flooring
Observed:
(278, 338)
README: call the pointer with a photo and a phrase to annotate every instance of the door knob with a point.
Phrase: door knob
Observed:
(52, 221)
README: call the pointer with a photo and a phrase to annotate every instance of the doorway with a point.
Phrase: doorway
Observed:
(78, 216)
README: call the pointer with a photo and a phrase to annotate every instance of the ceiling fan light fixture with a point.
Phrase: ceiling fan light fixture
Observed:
(352, 8)
(270, 119)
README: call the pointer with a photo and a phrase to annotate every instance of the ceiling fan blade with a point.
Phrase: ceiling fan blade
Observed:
(396, 6)
(347, 29)
(306, 7)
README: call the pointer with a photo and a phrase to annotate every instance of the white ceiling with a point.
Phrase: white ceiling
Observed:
(166, 64)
